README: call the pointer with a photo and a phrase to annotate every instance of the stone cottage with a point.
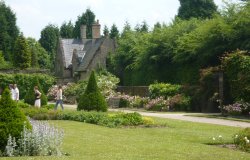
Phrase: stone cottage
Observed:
(76, 58)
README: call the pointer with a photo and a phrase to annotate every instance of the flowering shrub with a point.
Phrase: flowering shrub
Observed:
(158, 104)
(236, 108)
(218, 140)
(106, 82)
(42, 140)
(179, 102)
(242, 140)
(131, 101)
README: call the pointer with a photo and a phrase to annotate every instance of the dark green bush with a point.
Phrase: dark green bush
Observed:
(92, 99)
(12, 119)
(30, 95)
(163, 90)
(22, 104)
(123, 103)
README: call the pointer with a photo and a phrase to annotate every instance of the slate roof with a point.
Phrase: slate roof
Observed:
(85, 51)
(67, 47)
(91, 49)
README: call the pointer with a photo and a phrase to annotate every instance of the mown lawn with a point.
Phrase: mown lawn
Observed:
(180, 140)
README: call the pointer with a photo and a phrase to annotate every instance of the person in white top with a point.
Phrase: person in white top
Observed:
(16, 93)
(37, 97)
(59, 97)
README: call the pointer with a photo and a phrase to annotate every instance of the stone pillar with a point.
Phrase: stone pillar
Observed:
(96, 27)
(83, 32)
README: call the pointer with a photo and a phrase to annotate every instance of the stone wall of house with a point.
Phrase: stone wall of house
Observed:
(99, 59)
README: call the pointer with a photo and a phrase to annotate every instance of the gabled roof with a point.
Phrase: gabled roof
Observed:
(68, 46)
(91, 49)
(85, 51)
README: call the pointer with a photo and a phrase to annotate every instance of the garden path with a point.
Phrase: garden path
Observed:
(183, 116)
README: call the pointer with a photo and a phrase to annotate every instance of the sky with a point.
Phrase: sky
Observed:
(34, 15)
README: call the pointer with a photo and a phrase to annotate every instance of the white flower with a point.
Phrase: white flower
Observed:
(236, 136)
(246, 138)
(247, 141)
(220, 136)
(213, 139)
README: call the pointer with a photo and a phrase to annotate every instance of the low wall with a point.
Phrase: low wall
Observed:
(26, 71)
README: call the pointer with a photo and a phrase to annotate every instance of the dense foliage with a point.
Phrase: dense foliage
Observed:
(196, 8)
(92, 99)
(22, 57)
(66, 30)
(30, 95)
(87, 18)
(176, 52)
(25, 81)
(8, 31)
(12, 119)
(237, 68)
(39, 56)
(49, 40)
(114, 32)
(163, 90)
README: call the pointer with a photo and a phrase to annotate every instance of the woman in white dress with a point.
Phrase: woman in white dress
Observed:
(37, 97)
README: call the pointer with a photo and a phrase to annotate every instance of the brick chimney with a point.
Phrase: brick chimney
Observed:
(96, 27)
(83, 29)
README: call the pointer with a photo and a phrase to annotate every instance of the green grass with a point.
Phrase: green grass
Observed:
(180, 140)
(219, 116)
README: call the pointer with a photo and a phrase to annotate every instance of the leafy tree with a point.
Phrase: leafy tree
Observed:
(66, 30)
(126, 28)
(12, 120)
(196, 9)
(8, 31)
(22, 54)
(3, 63)
(157, 25)
(142, 27)
(87, 18)
(92, 99)
(106, 31)
(114, 32)
(49, 40)
(39, 56)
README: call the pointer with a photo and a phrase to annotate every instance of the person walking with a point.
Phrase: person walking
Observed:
(59, 97)
(37, 97)
(15, 93)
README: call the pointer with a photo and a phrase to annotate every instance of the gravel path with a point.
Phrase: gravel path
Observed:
(182, 116)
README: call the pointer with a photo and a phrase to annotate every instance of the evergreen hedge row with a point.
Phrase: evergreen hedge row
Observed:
(26, 81)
